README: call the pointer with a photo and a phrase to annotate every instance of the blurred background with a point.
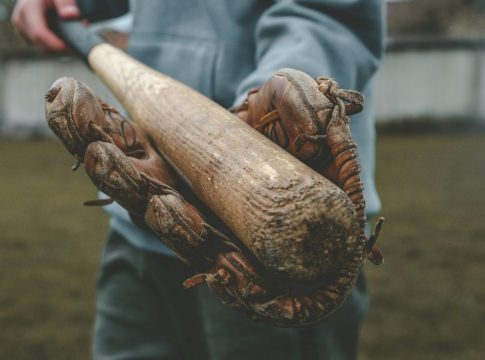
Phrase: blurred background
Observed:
(427, 300)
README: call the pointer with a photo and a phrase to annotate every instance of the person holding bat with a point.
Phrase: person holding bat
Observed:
(225, 49)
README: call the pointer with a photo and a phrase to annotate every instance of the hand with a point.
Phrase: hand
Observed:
(30, 18)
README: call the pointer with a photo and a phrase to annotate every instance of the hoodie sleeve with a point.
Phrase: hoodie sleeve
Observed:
(342, 39)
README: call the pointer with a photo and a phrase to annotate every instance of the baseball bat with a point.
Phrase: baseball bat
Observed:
(289, 216)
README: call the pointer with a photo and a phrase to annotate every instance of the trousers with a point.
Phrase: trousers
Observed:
(143, 312)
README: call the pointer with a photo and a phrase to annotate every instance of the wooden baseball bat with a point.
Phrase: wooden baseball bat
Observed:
(289, 216)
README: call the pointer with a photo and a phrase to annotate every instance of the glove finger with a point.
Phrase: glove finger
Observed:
(180, 226)
(113, 173)
(123, 178)
(70, 108)
(285, 109)
(240, 285)
(235, 281)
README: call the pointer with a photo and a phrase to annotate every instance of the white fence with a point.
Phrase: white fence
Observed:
(418, 79)
(432, 79)
(23, 83)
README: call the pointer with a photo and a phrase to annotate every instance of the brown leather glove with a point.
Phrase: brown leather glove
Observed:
(121, 162)
(309, 119)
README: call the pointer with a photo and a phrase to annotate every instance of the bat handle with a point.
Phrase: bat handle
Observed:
(75, 33)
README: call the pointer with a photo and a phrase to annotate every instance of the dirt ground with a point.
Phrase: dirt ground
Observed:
(426, 300)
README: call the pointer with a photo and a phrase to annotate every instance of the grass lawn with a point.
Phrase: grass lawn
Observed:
(427, 299)
(50, 248)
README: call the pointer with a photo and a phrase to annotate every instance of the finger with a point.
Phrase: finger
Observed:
(67, 9)
(31, 22)
(48, 41)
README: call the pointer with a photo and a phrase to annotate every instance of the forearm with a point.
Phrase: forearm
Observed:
(341, 39)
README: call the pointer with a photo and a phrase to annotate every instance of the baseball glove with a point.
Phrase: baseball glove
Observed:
(304, 116)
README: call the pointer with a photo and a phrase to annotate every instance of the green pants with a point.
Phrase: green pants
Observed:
(142, 312)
